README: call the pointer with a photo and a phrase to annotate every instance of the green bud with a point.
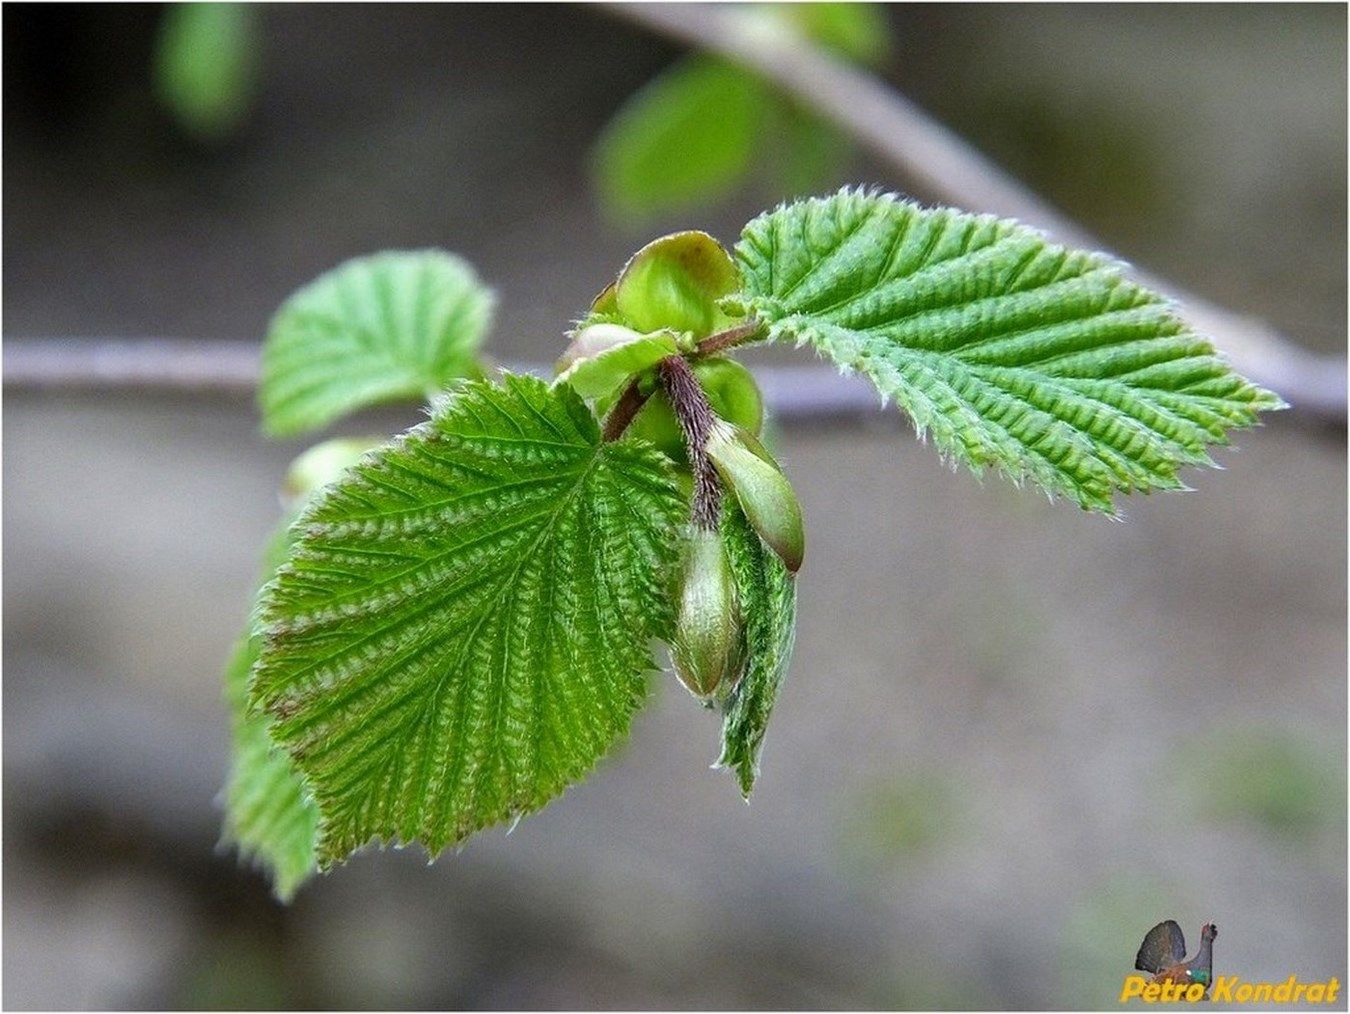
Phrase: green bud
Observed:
(323, 463)
(763, 491)
(675, 282)
(706, 645)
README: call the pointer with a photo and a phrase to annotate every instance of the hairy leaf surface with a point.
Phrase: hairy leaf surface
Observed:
(381, 328)
(268, 812)
(767, 595)
(463, 629)
(1044, 362)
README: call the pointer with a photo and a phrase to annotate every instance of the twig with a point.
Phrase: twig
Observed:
(945, 168)
(624, 410)
(171, 364)
(166, 365)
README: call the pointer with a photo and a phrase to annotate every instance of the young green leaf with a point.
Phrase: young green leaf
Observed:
(767, 595)
(687, 136)
(268, 812)
(390, 326)
(463, 628)
(1043, 362)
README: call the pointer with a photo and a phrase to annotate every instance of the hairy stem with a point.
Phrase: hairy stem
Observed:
(740, 335)
(623, 412)
(696, 418)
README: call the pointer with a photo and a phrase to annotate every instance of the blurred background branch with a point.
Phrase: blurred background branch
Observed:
(231, 367)
(824, 68)
(943, 167)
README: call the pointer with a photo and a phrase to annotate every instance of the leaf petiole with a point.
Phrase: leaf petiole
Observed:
(624, 410)
(742, 334)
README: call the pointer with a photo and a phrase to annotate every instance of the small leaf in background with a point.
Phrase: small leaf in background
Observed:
(767, 595)
(463, 628)
(688, 136)
(697, 131)
(1043, 362)
(268, 813)
(814, 152)
(392, 326)
(323, 463)
(857, 32)
(206, 66)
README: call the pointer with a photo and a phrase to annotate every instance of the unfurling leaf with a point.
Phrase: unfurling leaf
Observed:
(706, 645)
(1044, 362)
(463, 628)
(396, 325)
(767, 597)
(602, 373)
(591, 340)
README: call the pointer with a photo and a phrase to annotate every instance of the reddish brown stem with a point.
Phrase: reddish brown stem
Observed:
(623, 411)
(729, 339)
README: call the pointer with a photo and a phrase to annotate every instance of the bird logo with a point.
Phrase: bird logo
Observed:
(1163, 955)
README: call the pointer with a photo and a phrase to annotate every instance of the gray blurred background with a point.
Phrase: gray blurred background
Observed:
(1014, 736)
